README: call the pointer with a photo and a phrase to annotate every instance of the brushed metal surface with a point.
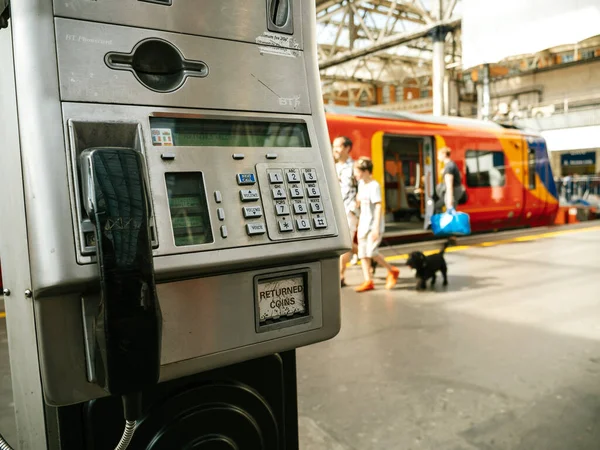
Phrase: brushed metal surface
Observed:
(60, 76)
(219, 169)
(208, 322)
(242, 76)
(14, 248)
(239, 20)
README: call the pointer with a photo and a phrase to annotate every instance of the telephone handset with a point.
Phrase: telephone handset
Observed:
(128, 323)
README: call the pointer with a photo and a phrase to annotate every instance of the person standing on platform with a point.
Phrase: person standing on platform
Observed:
(344, 165)
(450, 190)
(371, 225)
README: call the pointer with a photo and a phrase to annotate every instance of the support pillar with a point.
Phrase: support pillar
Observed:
(439, 69)
(485, 92)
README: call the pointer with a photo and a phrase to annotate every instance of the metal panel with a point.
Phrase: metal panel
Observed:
(20, 323)
(240, 20)
(224, 254)
(199, 317)
(241, 76)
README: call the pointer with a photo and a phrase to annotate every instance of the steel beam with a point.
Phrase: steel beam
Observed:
(388, 42)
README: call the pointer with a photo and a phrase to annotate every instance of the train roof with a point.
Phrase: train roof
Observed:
(423, 118)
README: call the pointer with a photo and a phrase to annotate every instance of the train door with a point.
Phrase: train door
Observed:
(408, 182)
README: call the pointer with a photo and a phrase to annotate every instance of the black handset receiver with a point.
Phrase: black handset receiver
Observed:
(128, 323)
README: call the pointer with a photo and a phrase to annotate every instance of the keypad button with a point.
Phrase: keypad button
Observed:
(320, 222)
(249, 195)
(285, 225)
(300, 208)
(252, 211)
(316, 207)
(275, 177)
(279, 193)
(296, 192)
(293, 177)
(224, 233)
(310, 175)
(218, 197)
(313, 191)
(255, 228)
(221, 213)
(282, 209)
(238, 156)
(245, 178)
(302, 224)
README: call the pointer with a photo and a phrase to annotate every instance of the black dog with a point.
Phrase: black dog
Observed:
(427, 266)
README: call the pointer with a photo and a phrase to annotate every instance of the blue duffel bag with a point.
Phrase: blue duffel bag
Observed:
(451, 223)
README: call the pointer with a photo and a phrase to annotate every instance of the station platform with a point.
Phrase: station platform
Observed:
(507, 356)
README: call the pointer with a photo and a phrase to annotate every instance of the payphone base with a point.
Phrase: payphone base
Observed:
(246, 406)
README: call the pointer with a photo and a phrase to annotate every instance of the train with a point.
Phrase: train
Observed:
(506, 170)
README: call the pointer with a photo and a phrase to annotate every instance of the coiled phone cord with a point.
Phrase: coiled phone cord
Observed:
(132, 409)
(123, 443)
(127, 435)
(4, 445)
(132, 405)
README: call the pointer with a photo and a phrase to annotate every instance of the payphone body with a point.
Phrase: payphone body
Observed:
(223, 102)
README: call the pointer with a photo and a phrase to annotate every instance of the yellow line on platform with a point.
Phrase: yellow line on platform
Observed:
(2, 315)
(532, 237)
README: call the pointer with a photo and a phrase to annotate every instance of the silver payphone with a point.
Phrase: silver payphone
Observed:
(169, 206)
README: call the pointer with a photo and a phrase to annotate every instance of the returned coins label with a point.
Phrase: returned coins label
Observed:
(281, 298)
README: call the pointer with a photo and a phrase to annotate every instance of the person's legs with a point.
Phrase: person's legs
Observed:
(344, 260)
(366, 268)
(364, 255)
(393, 272)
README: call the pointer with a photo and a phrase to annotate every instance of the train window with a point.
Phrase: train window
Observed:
(531, 171)
(485, 168)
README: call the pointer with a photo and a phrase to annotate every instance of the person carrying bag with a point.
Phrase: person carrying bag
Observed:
(450, 193)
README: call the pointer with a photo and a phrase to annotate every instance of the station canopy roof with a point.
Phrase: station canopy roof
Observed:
(383, 41)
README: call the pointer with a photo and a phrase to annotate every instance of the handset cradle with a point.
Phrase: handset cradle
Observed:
(128, 322)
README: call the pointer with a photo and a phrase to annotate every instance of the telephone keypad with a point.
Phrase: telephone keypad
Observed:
(285, 225)
(320, 222)
(300, 208)
(310, 175)
(278, 193)
(316, 207)
(282, 209)
(275, 177)
(302, 224)
(292, 175)
(313, 191)
(296, 192)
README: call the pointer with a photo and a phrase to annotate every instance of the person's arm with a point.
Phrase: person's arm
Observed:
(376, 222)
(449, 180)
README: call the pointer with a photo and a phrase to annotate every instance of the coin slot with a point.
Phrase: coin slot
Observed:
(157, 64)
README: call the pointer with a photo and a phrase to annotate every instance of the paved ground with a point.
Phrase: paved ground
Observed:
(507, 357)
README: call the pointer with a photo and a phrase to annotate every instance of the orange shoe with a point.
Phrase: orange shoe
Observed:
(366, 286)
(392, 278)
